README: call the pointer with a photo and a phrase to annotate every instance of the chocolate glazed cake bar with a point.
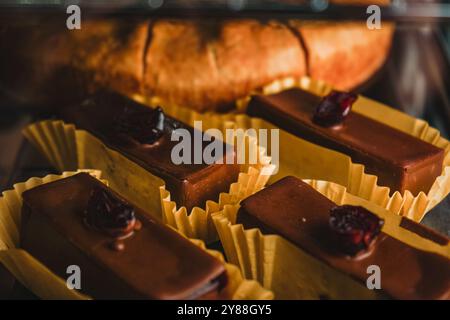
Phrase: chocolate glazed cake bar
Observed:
(122, 252)
(348, 239)
(143, 135)
(400, 161)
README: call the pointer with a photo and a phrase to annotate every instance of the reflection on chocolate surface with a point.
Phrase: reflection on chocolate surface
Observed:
(401, 161)
(156, 263)
(296, 211)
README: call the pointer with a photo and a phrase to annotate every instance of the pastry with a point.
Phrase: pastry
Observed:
(346, 241)
(400, 161)
(121, 251)
(201, 64)
(144, 136)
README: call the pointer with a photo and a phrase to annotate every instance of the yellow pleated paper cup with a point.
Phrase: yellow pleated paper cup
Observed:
(414, 207)
(198, 223)
(46, 285)
(238, 288)
(306, 160)
(68, 148)
(253, 177)
(27, 270)
(309, 161)
(289, 272)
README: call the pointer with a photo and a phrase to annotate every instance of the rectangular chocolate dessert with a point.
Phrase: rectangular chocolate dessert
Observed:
(401, 161)
(121, 251)
(347, 239)
(144, 136)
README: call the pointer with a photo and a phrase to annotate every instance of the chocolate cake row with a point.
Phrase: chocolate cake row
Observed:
(348, 239)
(144, 136)
(121, 251)
(400, 161)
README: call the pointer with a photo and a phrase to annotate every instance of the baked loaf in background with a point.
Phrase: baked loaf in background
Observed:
(204, 65)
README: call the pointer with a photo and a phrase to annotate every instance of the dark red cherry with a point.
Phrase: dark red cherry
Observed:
(355, 228)
(109, 214)
(333, 108)
(144, 127)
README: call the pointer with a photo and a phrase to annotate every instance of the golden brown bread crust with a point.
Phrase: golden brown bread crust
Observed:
(112, 53)
(206, 65)
(355, 54)
(203, 65)
(50, 64)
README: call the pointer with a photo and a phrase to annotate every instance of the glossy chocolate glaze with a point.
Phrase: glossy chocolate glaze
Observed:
(401, 161)
(296, 211)
(156, 263)
(190, 184)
